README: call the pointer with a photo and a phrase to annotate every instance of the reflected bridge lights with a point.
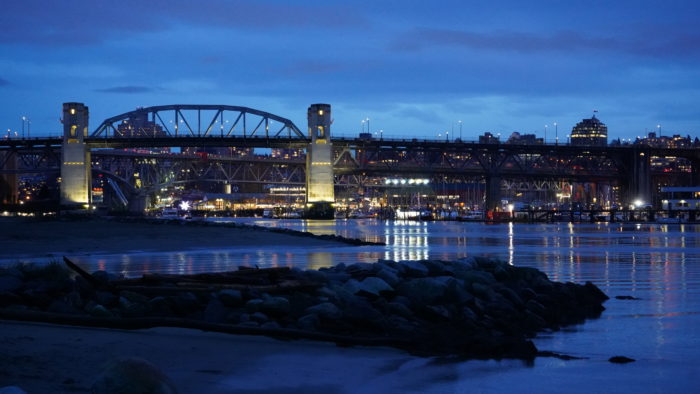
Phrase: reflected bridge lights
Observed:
(406, 181)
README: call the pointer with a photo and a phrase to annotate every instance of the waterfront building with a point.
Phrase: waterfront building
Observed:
(524, 139)
(590, 132)
(488, 138)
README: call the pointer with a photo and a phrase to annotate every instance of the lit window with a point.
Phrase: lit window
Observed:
(72, 111)
(320, 112)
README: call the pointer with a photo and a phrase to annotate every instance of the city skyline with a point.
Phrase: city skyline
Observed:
(415, 70)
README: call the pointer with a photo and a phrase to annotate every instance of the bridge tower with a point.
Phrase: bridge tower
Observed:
(640, 180)
(75, 157)
(320, 194)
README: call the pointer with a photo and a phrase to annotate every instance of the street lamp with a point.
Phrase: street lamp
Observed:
(381, 134)
(567, 139)
(368, 129)
(556, 134)
(545, 134)
(658, 130)
(447, 136)
(24, 119)
(460, 130)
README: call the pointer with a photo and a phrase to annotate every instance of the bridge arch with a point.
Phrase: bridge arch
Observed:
(197, 120)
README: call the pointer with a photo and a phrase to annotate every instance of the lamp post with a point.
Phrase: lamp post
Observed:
(24, 119)
(556, 134)
(447, 136)
(658, 130)
(567, 139)
(460, 131)
(545, 134)
(381, 134)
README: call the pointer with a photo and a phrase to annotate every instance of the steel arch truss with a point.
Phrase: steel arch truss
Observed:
(162, 170)
(197, 121)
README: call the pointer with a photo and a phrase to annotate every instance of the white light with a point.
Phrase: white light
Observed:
(638, 203)
(403, 181)
(184, 205)
(510, 207)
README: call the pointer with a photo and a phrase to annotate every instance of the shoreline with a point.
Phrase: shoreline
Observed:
(24, 238)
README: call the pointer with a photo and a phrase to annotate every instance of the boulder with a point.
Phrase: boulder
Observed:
(325, 310)
(231, 297)
(413, 268)
(132, 376)
(275, 306)
(389, 275)
(373, 286)
(308, 322)
(100, 311)
(253, 305)
(425, 290)
(215, 312)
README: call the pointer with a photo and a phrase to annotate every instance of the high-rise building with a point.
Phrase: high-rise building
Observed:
(590, 132)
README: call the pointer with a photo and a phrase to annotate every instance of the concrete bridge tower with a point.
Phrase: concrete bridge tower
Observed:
(75, 157)
(320, 195)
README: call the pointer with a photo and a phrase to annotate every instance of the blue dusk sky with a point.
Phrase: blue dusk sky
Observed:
(414, 68)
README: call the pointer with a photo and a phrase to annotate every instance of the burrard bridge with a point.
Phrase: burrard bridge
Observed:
(330, 165)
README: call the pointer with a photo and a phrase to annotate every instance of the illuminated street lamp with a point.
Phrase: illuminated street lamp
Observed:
(545, 134)
(460, 130)
(556, 134)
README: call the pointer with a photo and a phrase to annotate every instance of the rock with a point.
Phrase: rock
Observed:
(389, 275)
(413, 268)
(259, 317)
(100, 311)
(253, 305)
(215, 312)
(308, 322)
(362, 314)
(160, 306)
(482, 291)
(275, 306)
(231, 298)
(396, 308)
(424, 290)
(271, 325)
(12, 271)
(626, 297)
(535, 307)
(134, 297)
(621, 360)
(360, 269)
(9, 284)
(105, 298)
(132, 376)
(325, 310)
(372, 286)
(185, 303)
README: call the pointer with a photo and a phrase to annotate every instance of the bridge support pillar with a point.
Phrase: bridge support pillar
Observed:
(320, 194)
(639, 179)
(9, 191)
(75, 157)
(493, 192)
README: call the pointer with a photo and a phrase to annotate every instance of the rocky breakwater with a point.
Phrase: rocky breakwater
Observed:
(473, 307)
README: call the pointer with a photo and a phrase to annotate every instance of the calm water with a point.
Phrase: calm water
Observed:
(658, 263)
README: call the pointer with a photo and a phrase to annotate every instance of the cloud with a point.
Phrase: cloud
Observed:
(130, 89)
(88, 22)
(643, 44)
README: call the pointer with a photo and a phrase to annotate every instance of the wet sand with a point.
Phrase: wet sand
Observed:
(20, 237)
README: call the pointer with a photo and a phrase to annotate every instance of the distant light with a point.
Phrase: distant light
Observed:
(185, 205)
(638, 203)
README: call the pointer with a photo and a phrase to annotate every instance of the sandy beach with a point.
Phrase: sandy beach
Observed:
(45, 358)
(20, 237)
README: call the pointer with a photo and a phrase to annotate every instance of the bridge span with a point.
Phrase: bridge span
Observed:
(353, 161)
